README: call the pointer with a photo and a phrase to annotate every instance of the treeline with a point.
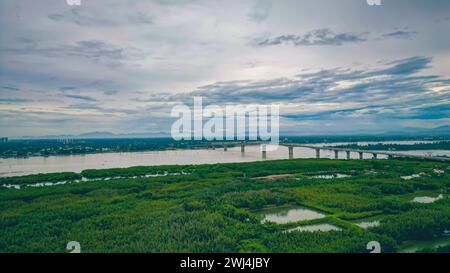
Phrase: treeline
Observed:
(416, 224)
(40, 178)
(50, 147)
(136, 171)
(441, 145)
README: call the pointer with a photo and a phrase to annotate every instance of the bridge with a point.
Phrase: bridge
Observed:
(318, 149)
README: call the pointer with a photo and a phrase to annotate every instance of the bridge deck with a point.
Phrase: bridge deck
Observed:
(331, 148)
(395, 154)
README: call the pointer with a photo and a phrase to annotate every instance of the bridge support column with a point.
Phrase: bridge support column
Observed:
(242, 148)
(225, 147)
(291, 152)
(317, 153)
(348, 154)
(263, 151)
(336, 154)
(375, 156)
(361, 155)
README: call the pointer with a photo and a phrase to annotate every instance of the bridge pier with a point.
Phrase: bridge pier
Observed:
(225, 147)
(263, 151)
(361, 152)
(242, 148)
(348, 154)
(291, 152)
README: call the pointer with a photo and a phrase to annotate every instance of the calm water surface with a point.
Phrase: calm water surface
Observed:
(427, 199)
(288, 215)
(366, 225)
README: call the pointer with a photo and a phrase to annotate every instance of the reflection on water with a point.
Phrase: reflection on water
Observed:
(331, 176)
(85, 179)
(414, 246)
(288, 215)
(409, 177)
(8, 186)
(77, 163)
(311, 228)
(366, 225)
(425, 152)
(427, 199)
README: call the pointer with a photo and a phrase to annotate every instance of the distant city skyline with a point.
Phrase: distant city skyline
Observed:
(120, 66)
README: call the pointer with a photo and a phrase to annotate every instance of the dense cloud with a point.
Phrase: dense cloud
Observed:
(120, 66)
(401, 34)
(318, 37)
(394, 91)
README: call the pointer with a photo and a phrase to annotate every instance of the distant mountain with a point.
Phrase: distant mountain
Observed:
(442, 130)
(101, 135)
(97, 135)
(409, 131)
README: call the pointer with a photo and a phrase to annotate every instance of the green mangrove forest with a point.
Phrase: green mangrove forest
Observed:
(227, 208)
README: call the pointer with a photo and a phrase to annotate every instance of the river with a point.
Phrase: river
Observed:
(77, 163)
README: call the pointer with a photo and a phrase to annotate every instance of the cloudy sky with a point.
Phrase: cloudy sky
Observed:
(121, 65)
